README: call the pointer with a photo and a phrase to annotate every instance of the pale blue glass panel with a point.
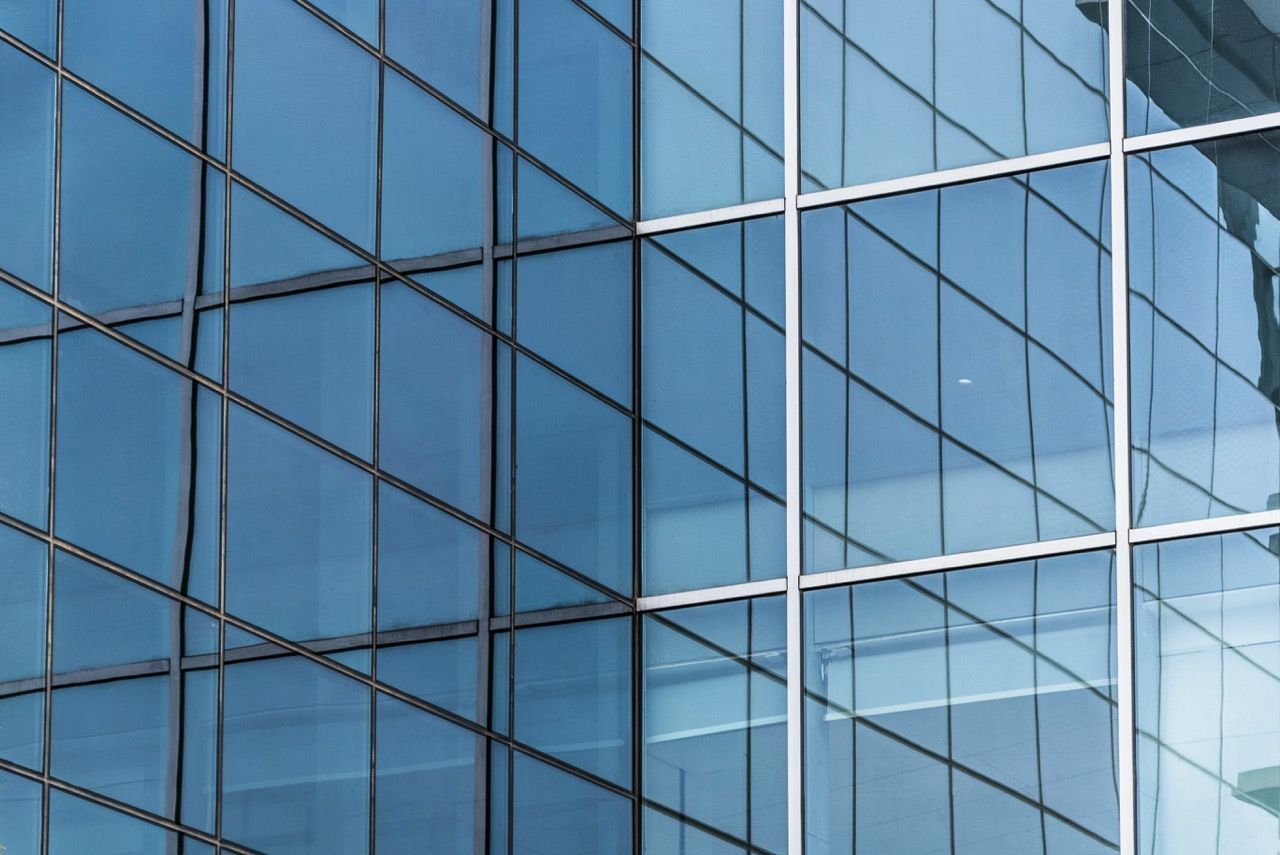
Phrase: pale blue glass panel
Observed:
(442, 41)
(20, 801)
(23, 581)
(26, 164)
(77, 826)
(33, 21)
(25, 367)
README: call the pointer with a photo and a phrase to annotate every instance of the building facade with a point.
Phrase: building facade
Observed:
(619, 426)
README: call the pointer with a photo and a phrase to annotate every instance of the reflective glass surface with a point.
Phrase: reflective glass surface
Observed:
(26, 328)
(957, 369)
(971, 711)
(711, 104)
(1206, 613)
(1204, 334)
(1198, 62)
(715, 741)
(33, 21)
(23, 583)
(77, 825)
(26, 163)
(20, 802)
(890, 88)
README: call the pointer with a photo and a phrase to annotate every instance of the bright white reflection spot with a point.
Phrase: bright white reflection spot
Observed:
(965, 381)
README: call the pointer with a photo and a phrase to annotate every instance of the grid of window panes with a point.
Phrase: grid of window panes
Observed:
(382, 472)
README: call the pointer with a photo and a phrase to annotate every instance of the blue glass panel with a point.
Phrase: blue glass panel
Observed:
(23, 563)
(121, 722)
(1194, 63)
(574, 308)
(33, 21)
(575, 99)
(361, 16)
(664, 834)
(138, 463)
(711, 104)
(426, 782)
(616, 12)
(436, 424)
(20, 801)
(897, 87)
(442, 672)
(557, 812)
(939, 706)
(26, 163)
(25, 331)
(77, 826)
(1203, 330)
(714, 717)
(432, 168)
(1207, 646)
(295, 775)
(141, 222)
(299, 533)
(573, 459)
(541, 586)
(442, 41)
(545, 206)
(285, 56)
(168, 60)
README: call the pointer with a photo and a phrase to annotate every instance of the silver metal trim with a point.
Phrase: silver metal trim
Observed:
(1202, 133)
(958, 560)
(1198, 528)
(959, 175)
(739, 591)
(711, 217)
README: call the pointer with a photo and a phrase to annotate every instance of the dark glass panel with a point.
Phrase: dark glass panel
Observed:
(139, 464)
(26, 163)
(294, 74)
(77, 826)
(441, 671)
(299, 533)
(125, 724)
(26, 328)
(1192, 63)
(574, 487)
(892, 88)
(553, 811)
(437, 404)
(295, 774)
(167, 60)
(972, 710)
(426, 782)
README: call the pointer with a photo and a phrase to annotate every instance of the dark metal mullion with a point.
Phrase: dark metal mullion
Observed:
(513, 409)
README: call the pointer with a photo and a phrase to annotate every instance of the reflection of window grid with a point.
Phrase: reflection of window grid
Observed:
(187, 309)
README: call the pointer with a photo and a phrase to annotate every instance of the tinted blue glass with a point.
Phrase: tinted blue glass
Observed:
(711, 104)
(426, 782)
(284, 55)
(361, 16)
(573, 694)
(432, 167)
(664, 833)
(442, 672)
(1206, 644)
(715, 717)
(26, 165)
(991, 725)
(957, 391)
(539, 586)
(120, 721)
(545, 206)
(442, 41)
(33, 21)
(299, 533)
(295, 774)
(138, 463)
(573, 493)
(437, 404)
(19, 814)
(141, 223)
(25, 330)
(575, 99)
(168, 60)
(23, 562)
(574, 308)
(1194, 63)
(77, 826)
(557, 812)
(1203, 330)
(892, 88)
(429, 563)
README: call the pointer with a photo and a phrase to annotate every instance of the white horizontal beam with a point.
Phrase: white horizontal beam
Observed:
(1197, 528)
(1201, 133)
(960, 175)
(759, 588)
(708, 218)
(978, 558)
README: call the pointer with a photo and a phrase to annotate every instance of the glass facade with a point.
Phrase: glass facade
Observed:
(639, 426)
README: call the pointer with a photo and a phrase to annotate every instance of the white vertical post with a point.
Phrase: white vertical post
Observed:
(1126, 766)
(795, 631)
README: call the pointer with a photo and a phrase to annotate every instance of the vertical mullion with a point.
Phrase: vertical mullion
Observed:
(791, 220)
(1126, 767)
